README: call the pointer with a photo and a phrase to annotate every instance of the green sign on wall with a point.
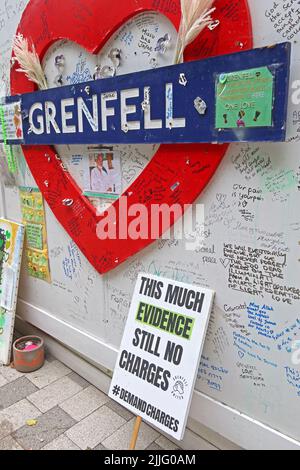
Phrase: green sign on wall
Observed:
(245, 99)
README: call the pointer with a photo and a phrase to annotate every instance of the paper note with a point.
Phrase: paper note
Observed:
(8, 288)
(245, 99)
(34, 235)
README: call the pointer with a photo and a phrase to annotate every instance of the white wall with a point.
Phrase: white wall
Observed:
(241, 369)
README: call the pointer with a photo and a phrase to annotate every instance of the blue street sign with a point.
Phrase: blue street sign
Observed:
(232, 98)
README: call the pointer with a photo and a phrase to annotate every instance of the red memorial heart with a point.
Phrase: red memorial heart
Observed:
(177, 173)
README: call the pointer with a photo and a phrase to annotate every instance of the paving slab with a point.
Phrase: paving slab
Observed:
(54, 394)
(16, 416)
(15, 391)
(8, 443)
(51, 372)
(61, 443)
(91, 431)
(49, 426)
(120, 440)
(84, 403)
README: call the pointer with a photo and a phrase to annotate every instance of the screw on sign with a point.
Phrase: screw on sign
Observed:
(232, 34)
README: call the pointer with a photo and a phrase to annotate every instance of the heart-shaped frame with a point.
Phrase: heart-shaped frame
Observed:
(90, 24)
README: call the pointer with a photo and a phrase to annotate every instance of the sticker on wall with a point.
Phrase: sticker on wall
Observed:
(245, 99)
(11, 248)
(33, 215)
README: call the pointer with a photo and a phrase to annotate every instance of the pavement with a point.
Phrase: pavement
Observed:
(65, 413)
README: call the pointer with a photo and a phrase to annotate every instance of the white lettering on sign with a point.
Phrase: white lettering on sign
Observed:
(40, 129)
(50, 114)
(83, 110)
(127, 109)
(149, 123)
(79, 115)
(170, 120)
(67, 116)
(105, 111)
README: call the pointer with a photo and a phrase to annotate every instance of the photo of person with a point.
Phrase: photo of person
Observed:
(104, 177)
(18, 121)
(100, 177)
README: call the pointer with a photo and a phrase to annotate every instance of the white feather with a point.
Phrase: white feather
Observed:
(29, 62)
(195, 16)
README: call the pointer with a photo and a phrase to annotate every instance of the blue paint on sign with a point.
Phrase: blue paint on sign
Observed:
(174, 104)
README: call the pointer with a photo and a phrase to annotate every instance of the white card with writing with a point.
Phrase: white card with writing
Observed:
(160, 352)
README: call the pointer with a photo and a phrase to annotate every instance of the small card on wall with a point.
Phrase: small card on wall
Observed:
(34, 233)
(159, 357)
(12, 116)
(245, 99)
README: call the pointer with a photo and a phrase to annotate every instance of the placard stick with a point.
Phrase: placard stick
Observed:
(135, 433)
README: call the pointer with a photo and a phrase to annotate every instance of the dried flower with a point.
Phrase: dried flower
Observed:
(29, 62)
(196, 15)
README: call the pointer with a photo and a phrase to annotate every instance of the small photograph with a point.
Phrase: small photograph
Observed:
(18, 121)
(103, 177)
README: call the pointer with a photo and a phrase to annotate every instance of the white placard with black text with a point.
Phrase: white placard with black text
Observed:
(160, 352)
